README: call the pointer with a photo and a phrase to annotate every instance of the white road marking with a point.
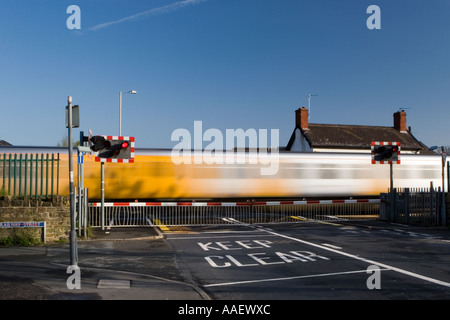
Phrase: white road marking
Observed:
(113, 284)
(287, 278)
(218, 237)
(331, 246)
(406, 272)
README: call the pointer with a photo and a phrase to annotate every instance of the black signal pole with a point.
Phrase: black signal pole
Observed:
(73, 233)
(392, 204)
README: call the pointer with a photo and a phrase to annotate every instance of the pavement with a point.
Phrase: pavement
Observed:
(116, 264)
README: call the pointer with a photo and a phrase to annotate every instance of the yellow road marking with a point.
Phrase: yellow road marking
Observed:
(299, 218)
(361, 216)
(162, 226)
(318, 221)
(173, 229)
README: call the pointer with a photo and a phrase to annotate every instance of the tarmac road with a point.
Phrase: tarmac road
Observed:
(134, 264)
(317, 261)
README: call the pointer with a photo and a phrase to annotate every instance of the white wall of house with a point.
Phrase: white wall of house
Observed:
(300, 143)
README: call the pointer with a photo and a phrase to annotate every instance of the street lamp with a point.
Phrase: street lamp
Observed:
(444, 157)
(120, 109)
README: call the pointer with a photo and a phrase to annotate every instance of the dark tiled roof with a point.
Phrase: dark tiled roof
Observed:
(356, 137)
(4, 143)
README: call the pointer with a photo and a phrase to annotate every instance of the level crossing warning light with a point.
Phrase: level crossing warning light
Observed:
(113, 148)
(385, 152)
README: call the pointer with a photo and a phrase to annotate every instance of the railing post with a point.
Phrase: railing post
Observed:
(57, 176)
(36, 177)
(14, 177)
(42, 175)
(392, 205)
(86, 209)
(4, 171)
(31, 176)
(448, 176)
(438, 206)
(53, 168)
(80, 214)
(46, 176)
(431, 199)
(20, 174)
(9, 173)
(26, 175)
(407, 204)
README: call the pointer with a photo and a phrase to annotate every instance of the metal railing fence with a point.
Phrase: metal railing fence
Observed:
(33, 175)
(185, 214)
(422, 206)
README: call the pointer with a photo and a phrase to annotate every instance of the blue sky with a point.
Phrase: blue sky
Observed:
(229, 63)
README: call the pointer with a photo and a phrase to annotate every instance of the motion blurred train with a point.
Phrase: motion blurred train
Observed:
(155, 175)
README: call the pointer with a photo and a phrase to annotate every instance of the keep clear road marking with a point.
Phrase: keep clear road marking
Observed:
(371, 262)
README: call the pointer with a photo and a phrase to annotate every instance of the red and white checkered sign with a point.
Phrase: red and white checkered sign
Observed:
(130, 160)
(384, 143)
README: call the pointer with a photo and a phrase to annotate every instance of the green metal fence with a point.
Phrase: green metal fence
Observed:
(33, 175)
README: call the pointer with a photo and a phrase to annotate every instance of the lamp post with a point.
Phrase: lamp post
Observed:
(444, 157)
(120, 109)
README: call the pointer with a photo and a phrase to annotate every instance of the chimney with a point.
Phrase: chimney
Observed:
(400, 121)
(301, 118)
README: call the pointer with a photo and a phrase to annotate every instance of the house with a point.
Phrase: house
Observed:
(313, 137)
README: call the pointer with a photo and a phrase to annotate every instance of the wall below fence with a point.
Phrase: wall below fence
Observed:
(56, 212)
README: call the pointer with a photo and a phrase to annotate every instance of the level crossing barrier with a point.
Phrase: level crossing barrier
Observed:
(123, 214)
